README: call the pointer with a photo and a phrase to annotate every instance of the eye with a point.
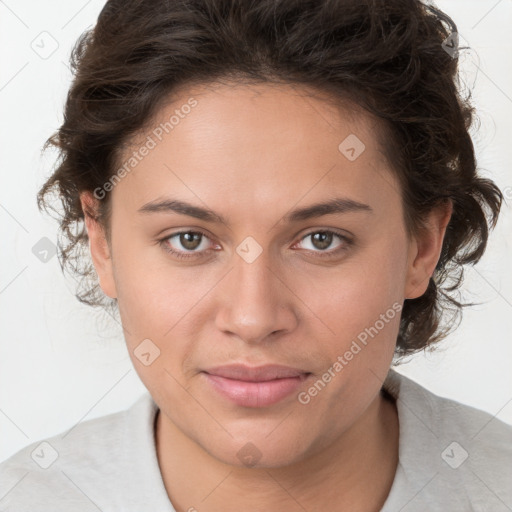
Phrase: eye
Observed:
(321, 240)
(183, 242)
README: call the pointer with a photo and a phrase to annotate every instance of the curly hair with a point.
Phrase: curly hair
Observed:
(396, 59)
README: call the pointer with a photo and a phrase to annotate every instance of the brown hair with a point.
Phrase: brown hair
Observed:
(397, 59)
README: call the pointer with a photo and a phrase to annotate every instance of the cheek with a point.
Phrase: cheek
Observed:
(165, 303)
(353, 295)
(151, 305)
(362, 309)
(146, 292)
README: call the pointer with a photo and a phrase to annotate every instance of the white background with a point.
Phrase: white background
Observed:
(61, 363)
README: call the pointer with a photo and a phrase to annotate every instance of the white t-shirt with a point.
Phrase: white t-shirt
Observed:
(451, 458)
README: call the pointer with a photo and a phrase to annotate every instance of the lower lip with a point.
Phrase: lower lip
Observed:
(255, 394)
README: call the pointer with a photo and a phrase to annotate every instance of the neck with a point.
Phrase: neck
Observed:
(355, 473)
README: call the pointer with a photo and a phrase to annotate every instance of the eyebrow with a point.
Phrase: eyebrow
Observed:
(336, 205)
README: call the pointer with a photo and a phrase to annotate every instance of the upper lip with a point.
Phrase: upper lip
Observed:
(255, 373)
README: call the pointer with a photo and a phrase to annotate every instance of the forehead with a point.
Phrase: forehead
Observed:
(253, 145)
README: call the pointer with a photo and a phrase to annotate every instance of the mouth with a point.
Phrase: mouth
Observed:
(260, 386)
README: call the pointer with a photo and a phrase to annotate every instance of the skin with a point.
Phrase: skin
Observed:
(252, 153)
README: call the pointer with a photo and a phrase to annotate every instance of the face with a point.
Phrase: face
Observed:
(209, 300)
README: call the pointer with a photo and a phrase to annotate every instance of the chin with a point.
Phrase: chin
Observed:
(260, 452)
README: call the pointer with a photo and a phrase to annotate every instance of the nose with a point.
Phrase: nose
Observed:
(255, 302)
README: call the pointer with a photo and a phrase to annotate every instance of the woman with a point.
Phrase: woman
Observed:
(279, 199)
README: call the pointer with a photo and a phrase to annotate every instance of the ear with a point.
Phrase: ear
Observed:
(98, 245)
(425, 249)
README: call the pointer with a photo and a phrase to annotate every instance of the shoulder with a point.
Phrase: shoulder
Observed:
(74, 467)
(444, 415)
(450, 453)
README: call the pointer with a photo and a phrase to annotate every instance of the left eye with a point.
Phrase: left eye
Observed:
(322, 240)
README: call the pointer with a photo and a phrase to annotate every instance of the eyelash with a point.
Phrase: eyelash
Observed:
(322, 254)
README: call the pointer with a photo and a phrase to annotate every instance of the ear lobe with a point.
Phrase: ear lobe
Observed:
(425, 250)
(98, 244)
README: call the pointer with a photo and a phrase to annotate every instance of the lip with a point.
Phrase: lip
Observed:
(260, 386)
